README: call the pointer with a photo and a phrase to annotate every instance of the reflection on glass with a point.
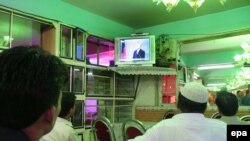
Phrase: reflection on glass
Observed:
(77, 118)
(123, 110)
(80, 46)
(100, 51)
(125, 85)
(66, 87)
(94, 108)
(98, 82)
(66, 42)
(5, 30)
(78, 80)
(27, 31)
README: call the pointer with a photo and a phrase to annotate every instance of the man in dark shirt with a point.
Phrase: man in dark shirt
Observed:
(138, 53)
(30, 96)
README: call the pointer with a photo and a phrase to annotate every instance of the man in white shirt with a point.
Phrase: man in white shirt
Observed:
(63, 130)
(190, 124)
(228, 106)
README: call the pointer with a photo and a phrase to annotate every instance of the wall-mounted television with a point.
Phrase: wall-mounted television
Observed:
(135, 50)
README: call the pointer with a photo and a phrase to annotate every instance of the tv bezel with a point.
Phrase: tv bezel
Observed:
(152, 52)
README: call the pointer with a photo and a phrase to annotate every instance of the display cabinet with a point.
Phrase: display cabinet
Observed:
(99, 82)
(97, 107)
(75, 80)
(123, 110)
(5, 37)
(78, 80)
(77, 118)
(99, 51)
(66, 42)
(124, 85)
(80, 44)
(14, 24)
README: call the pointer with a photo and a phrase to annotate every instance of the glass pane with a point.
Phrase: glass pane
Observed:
(123, 110)
(4, 30)
(26, 32)
(66, 87)
(98, 82)
(100, 51)
(78, 80)
(77, 118)
(168, 89)
(66, 42)
(106, 53)
(80, 46)
(94, 108)
(125, 85)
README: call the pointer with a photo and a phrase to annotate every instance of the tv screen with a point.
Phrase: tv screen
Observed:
(138, 50)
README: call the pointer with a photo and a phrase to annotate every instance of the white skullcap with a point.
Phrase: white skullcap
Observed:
(195, 92)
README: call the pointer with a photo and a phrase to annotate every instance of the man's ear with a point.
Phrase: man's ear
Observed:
(50, 114)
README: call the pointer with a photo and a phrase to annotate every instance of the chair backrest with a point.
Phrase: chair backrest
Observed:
(216, 115)
(169, 114)
(245, 118)
(103, 130)
(132, 128)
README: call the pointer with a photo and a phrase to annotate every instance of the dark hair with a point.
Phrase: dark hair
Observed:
(188, 106)
(227, 103)
(30, 83)
(68, 102)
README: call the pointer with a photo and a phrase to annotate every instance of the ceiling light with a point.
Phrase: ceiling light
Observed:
(245, 56)
(216, 84)
(7, 38)
(218, 66)
(195, 4)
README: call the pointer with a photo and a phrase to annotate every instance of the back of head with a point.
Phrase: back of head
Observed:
(193, 98)
(68, 102)
(227, 103)
(30, 83)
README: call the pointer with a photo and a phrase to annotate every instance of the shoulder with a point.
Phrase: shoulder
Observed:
(216, 122)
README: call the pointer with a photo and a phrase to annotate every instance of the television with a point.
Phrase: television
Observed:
(135, 50)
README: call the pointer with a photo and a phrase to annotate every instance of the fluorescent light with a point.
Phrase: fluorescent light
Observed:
(219, 66)
(195, 75)
(216, 84)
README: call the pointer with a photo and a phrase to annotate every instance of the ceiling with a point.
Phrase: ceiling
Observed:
(209, 50)
(145, 13)
(220, 50)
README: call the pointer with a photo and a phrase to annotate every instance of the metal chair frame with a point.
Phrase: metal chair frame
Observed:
(216, 115)
(132, 123)
(107, 123)
(245, 118)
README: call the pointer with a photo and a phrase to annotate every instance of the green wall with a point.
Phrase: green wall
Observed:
(65, 13)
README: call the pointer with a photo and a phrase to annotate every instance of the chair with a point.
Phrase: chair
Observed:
(169, 114)
(132, 128)
(245, 118)
(216, 115)
(103, 130)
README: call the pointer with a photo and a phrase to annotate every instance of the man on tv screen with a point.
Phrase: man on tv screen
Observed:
(138, 52)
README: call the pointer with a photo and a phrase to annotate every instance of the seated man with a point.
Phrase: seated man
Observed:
(30, 97)
(227, 104)
(138, 52)
(63, 130)
(245, 101)
(190, 123)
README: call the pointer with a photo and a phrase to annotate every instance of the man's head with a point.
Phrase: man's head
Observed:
(227, 103)
(138, 44)
(68, 105)
(192, 98)
(30, 83)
